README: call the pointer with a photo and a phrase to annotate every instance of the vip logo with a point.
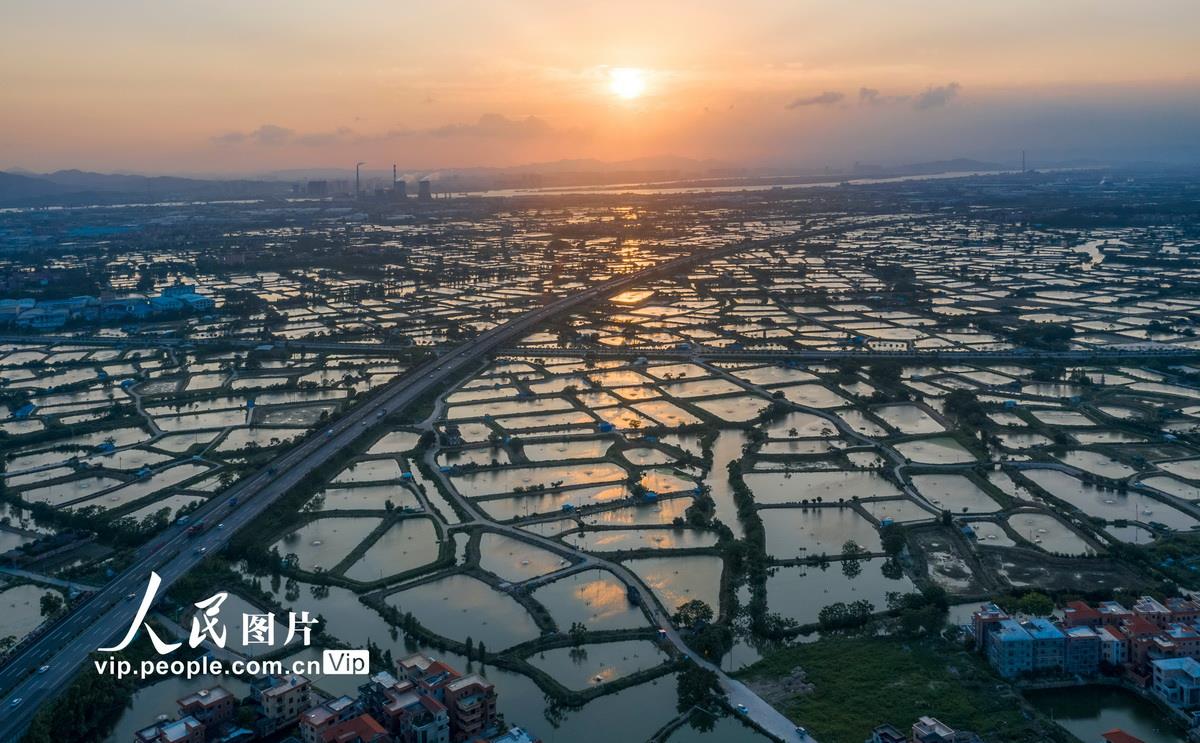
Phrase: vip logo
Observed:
(345, 662)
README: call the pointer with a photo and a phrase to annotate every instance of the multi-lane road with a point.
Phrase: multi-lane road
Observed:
(107, 614)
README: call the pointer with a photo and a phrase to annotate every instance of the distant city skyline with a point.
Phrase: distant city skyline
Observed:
(224, 87)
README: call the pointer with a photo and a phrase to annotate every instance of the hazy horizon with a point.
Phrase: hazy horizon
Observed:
(221, 88)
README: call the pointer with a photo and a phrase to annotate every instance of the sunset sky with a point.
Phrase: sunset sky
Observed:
(217, 86)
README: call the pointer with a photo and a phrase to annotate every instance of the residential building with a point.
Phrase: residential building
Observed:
(410, 716)
(887, 734)
(1152, 611)
(1049, 644)
(185, 730)
(428, 675)
(316, 721)
(1010, 649)
(1177, 681)
(1112, 613)
(1079, 614)
(983, 622)
(210, 706)
(1114, 645)
(280, 700)
(361, 728)
(932, 730)
(1183, 611)
(471, 702)
(1185, 639)
(1082, 654)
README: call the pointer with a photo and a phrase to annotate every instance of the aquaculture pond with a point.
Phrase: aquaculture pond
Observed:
(616, 540)
(1089, 712)
(594, 598)
(725, 448)
(593, 664)
(515, 560)
(1049, 533)
(406, 545)
(1109, 504)
(954, 493)
(21, 609)
(829, 485)
(800, 593)
(364, 498)
(936, 450)
(325, 542)
(726, 729)
(677, 580)
(506, 480)
(805, 532)
(459, 606)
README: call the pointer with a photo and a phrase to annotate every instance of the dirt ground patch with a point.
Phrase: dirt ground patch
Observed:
(1025, 568)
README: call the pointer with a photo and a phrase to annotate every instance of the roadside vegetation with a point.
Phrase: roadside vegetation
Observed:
(841, 688)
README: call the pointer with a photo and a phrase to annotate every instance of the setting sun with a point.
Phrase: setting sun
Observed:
(627, 82)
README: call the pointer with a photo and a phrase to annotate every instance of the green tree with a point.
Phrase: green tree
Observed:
(1035, 604)
(696, 687)
(51, 603)
(692, 613)
(842, 615)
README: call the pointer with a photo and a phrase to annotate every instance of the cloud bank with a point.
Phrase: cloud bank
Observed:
(828, 98)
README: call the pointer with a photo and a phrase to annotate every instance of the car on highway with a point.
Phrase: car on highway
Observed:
(43, 669)
(221, 525)
(201, 550)
(130, 597)
(16, 702)
(743, 709)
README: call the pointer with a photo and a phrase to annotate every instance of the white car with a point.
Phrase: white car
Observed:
(16, 702)
(742, 709)
(43, 669)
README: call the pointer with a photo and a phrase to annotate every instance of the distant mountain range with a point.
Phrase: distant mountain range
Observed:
(82, 187)
(74, 187)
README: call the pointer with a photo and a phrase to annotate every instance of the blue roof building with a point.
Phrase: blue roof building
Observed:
(1049, 643)
(1010, 650)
